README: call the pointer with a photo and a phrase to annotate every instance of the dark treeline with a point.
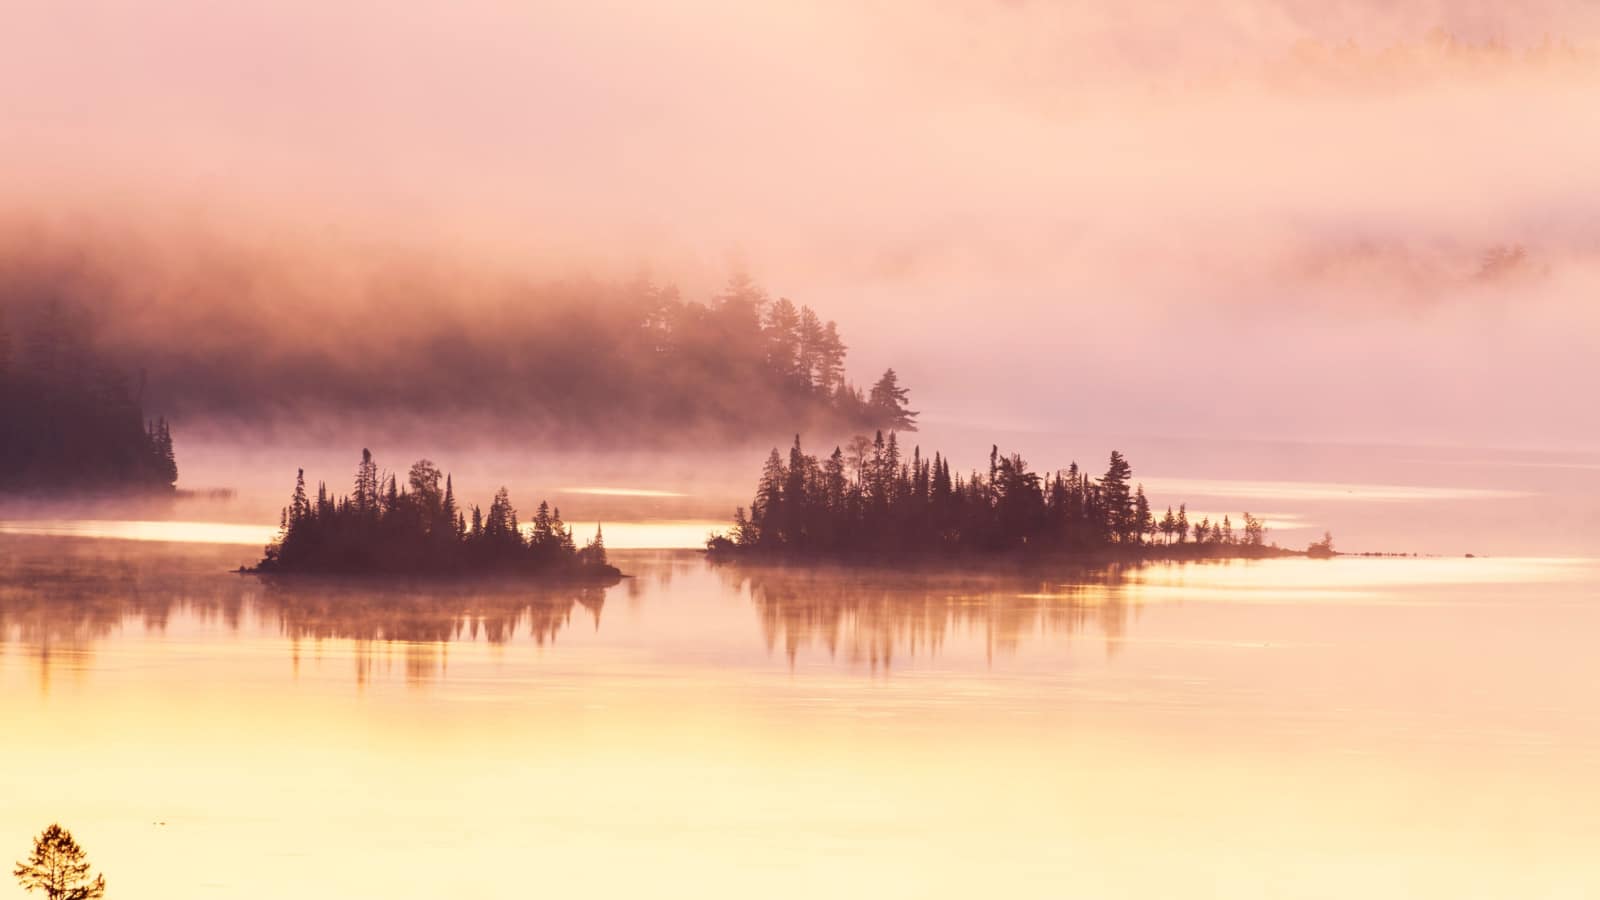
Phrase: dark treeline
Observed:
(244, 342)
(384, 527)
(69, 420)
(875, 501)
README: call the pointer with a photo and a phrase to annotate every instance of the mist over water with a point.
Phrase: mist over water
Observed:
(1282, 220)
(1396, 499)
(1328, 263)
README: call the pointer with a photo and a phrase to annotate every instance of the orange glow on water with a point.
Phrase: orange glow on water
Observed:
(1393, 728)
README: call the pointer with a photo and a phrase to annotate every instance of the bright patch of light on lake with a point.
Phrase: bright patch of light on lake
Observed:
(141, 530)
(620, 492)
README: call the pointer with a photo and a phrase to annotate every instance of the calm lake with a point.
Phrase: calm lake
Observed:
(1289, 728)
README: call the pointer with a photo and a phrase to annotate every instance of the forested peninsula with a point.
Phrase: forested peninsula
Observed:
(70, 420)
(562, 361)
(874, 503)
(385, 527)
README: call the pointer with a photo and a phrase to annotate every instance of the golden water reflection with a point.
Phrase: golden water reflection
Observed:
(1407, 728)
(57, 600)
(60, 598)
(870, 616)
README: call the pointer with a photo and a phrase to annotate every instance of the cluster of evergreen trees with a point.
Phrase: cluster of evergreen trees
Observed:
(417, 528)
(872, 500)
(68, 419)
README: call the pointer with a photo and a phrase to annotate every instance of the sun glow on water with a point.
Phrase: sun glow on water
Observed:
(142, 530)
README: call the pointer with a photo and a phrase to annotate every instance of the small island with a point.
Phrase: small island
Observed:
(872, 504)
(385, 528)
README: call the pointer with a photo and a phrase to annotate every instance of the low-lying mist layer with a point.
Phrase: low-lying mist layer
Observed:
(1345, 220)
(298, 343)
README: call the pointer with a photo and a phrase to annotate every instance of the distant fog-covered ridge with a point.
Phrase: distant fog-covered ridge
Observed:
(262, 343)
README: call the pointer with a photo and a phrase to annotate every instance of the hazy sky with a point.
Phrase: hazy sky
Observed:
(1198, 218)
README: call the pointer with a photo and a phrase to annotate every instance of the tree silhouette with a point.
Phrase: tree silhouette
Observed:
(594, 553)
(1254, 531)
(58, 867)
(1322, 549)
(888, 401)
(1144, 522)
(418, 529)
(897, 507)
(1118, 501)
(366, 489)
(69, 420)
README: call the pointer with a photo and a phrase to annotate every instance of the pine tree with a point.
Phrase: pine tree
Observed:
(299, 505)
(744, 533)
(811, 352)
(891, 467)
(59, 867)
(767, 509)
(366, 492)
(782, 332)
(563, 533)
(888, 403)
(448, 509)
(834, 482)
(595, 551)
(1254, 531)
(1118, 501)
(169, 461)
(1144, 521)
(830, 362)
(544, 533)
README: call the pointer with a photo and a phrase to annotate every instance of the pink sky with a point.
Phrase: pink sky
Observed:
(1238, 218)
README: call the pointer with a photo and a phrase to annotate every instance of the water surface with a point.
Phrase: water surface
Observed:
(1389, 728)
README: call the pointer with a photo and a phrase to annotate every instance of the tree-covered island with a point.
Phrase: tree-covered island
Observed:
(416, 528)
(870, 502)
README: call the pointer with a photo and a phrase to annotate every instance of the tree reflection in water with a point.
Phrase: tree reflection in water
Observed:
(59, 597)
(868, 616)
